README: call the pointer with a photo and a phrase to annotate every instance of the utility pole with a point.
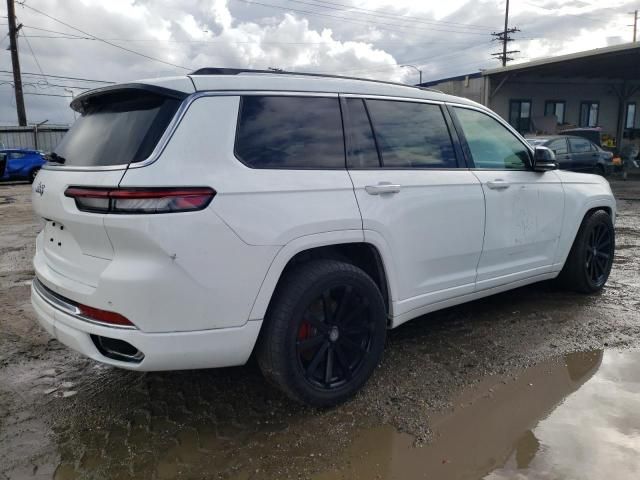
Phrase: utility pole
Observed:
(635, 24)
(505, 38)
(15, 61)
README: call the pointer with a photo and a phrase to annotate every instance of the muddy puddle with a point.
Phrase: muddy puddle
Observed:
(456, 381)
(573, 417)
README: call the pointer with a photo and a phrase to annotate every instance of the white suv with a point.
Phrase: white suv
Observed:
(191, 221)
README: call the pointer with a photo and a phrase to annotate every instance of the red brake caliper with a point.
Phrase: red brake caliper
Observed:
(305, 331)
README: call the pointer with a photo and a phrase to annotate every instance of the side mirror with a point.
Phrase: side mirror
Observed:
(544, 159)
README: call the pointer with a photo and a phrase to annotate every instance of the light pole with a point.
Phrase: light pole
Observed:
(35, 132)
(72, 97)
(416, 69)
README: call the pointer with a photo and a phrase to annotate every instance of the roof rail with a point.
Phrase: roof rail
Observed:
(237, 71)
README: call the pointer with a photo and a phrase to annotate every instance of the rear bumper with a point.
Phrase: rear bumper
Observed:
(223, 347)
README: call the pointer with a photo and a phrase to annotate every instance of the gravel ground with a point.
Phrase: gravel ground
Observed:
(64, 416)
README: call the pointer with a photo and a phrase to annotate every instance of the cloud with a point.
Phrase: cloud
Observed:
(371, 39)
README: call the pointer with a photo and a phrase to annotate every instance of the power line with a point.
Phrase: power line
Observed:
(34, 56)
(56, 31)
(60, 76)
(47, 85)
(59, 37)
(556, 12)
(105, 41)
(47, 94)
(426, 60)
(381, 25)
(421, 19)
(374, 13)
(222, 42)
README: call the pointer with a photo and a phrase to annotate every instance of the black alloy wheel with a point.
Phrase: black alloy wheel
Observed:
(589, 263)
(324, 332)
(598, 254)
(334, 337)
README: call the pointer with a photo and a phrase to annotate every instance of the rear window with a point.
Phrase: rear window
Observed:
(290, 132)
(117, 128)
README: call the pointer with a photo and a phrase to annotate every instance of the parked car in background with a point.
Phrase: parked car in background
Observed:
(593, 134)
(577, 154)
(3, 163)
(21, 163)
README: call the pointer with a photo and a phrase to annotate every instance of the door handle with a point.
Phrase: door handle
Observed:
(498, 184)
(382, 188)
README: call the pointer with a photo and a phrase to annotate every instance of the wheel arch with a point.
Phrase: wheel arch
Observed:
(348, 246)
(607, 205)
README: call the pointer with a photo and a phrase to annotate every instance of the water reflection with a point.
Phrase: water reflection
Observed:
(595, 433)
(573, 417)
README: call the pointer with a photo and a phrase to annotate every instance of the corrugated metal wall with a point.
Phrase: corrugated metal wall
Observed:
(25, 137)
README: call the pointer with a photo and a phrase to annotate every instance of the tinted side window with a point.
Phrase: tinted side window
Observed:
(491, 144)
(290, 132)
(579, 145)
(411, 135)
(559, 146)
(362, 146)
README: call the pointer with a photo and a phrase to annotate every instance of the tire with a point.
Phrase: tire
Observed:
(32, 175)
(591, 257)
(599, 170)
(324, 332)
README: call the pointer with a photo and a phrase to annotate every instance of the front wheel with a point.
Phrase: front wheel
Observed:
(599, 169)
(589, 263)
(324, 333)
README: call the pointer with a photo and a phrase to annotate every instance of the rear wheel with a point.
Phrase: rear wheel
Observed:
(589, 263)
(324, 333)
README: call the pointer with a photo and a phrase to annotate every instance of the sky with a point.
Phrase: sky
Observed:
(96, 39)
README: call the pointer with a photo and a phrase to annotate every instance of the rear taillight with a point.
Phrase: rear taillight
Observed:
(141, 200)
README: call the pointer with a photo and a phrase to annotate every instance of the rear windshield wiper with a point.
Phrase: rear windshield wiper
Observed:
(53, 157)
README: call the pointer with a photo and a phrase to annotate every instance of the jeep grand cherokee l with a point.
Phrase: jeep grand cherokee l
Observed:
(190, 221)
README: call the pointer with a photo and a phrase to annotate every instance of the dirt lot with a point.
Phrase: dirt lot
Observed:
(443, 375)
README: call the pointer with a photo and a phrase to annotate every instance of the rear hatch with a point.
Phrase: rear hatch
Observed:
(118, 126)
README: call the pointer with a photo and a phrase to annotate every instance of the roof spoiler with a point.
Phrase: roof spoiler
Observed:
(80, 103)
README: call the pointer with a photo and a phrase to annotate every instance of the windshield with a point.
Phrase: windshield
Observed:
(116, 128)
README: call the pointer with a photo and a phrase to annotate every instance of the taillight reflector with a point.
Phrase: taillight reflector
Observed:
(141, 200)
(104, 316)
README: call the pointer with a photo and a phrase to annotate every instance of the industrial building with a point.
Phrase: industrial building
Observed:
(595, 88)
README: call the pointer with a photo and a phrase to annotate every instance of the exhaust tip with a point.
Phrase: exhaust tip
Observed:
(116, 349)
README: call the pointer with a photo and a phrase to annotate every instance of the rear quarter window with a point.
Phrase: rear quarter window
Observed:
(290, 132)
